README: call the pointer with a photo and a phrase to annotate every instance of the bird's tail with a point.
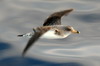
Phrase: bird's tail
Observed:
(29, 35)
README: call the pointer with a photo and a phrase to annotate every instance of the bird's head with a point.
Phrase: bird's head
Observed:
(72, 30)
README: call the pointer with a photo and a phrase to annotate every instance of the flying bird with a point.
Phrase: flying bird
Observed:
(51, 29)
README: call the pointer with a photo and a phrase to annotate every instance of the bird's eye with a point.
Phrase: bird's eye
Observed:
(56, 31)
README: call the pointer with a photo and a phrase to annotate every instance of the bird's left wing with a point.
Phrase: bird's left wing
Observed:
(31, 41)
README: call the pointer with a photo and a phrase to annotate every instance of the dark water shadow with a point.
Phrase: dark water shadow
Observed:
(20, 61)
(90, 18)
(4, 46)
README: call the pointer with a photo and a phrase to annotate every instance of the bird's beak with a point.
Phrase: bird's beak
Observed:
(75, 31)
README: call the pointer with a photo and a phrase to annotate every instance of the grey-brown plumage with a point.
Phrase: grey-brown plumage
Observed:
(59, 30)
(31, 41)
(38, 32)
(53, 23)
(55, 18)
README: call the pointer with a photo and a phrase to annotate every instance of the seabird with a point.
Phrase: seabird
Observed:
(51, 29)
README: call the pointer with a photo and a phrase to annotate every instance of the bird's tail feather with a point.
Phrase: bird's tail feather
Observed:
(29, 35)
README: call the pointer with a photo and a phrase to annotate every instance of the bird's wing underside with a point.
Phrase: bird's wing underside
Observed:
(55, 18)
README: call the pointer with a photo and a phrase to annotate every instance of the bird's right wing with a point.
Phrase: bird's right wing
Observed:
(55, 18)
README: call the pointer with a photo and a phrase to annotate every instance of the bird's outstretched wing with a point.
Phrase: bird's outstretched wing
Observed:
(55, 18)
(31, 41)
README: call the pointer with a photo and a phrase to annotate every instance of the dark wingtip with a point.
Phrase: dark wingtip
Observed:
(24, 51)
(23, 54)
(68, 11)
(62, 13)
(71, 9)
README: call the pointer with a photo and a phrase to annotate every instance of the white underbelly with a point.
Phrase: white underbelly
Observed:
(51, 35)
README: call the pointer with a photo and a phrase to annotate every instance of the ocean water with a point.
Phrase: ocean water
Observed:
(20, 16)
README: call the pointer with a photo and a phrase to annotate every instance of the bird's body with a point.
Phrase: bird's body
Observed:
(51, 34)
(55, 32)
(51, 29)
